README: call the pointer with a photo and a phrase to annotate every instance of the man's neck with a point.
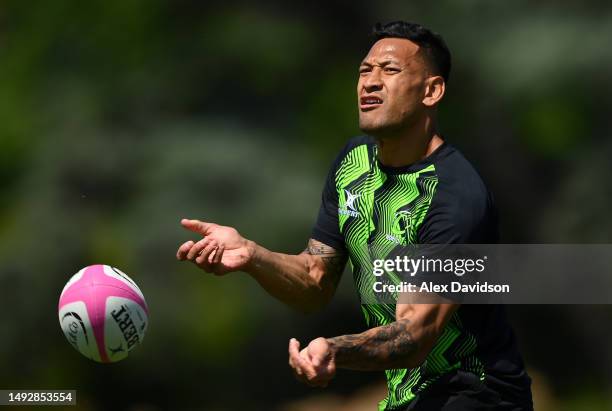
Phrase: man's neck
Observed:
(409, 146)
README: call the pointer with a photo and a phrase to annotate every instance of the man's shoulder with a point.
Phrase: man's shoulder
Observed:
(462, 207)
(458, 178)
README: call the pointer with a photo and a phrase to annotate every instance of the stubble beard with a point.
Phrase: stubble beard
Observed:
(382, 127)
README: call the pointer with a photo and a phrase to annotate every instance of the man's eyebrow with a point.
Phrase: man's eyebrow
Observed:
(383, 63)
(386, 62)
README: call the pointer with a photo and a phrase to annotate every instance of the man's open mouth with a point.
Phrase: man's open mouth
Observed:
(369, 102)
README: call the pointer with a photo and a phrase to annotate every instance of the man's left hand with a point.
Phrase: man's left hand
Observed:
(315, 365)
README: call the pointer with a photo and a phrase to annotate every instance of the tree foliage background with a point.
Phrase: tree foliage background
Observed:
(117, 118)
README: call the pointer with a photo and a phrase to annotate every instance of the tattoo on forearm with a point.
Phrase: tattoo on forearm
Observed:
(388, 346)
(333, 260)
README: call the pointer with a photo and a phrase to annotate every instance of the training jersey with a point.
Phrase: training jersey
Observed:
(438, 200)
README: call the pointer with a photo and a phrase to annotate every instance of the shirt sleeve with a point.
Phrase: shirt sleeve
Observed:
(327, 227)
(460, 216)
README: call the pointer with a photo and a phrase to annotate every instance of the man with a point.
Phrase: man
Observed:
(401, 184)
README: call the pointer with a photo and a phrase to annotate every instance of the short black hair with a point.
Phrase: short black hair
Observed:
(434, 48)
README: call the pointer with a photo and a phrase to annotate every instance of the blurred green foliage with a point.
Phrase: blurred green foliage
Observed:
(118, 118)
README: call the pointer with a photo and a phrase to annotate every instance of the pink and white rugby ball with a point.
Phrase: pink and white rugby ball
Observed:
(103, 313)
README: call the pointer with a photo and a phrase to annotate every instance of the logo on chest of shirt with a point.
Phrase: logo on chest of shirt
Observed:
(402, 226)
(350, 208)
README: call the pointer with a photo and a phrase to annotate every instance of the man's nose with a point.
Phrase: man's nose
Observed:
(373, 82)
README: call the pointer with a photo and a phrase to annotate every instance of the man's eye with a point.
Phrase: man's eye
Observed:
(391, 70)
(364, 70)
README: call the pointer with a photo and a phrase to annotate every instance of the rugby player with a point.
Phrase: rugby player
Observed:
(398, 184)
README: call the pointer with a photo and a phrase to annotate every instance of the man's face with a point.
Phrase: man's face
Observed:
(391, 85)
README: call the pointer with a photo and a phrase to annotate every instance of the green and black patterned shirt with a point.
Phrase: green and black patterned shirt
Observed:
(439, 200)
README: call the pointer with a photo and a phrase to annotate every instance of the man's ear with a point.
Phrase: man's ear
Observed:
(434, 90)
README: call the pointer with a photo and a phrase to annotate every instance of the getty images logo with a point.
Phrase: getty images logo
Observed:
(350, 208)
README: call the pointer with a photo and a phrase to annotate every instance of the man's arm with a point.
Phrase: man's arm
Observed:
(404, 343)
(306, 281)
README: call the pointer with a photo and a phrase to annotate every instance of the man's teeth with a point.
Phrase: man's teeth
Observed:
(372, 101)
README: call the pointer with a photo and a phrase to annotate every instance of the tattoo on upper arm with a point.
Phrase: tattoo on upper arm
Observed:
(392, 343)
(333, 260)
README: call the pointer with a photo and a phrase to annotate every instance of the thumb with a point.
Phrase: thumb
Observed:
(197, 226)
(315, 358)
(319, 351)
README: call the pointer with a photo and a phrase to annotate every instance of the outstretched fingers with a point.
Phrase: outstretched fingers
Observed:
(218, 254)
(203, 258)
(181, 253)
(197, 248)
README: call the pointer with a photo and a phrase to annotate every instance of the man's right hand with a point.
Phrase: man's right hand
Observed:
(305, 281)
(221, 250)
